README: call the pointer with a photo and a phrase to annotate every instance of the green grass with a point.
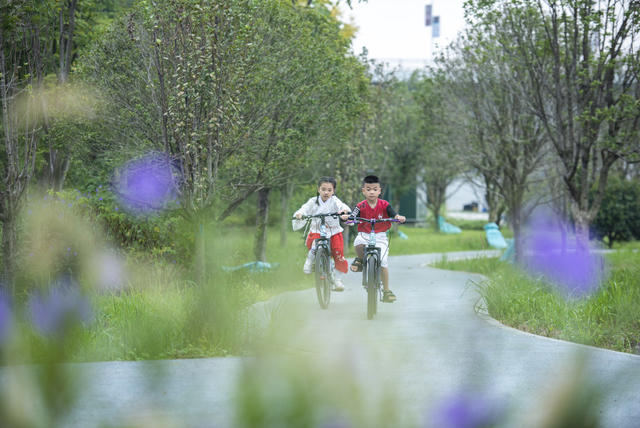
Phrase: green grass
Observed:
(161, 312)
(629, 245)
(609, 318)
(422, 240)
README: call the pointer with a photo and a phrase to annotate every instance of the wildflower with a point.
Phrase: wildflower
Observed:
(62, 307)
(553, 251)
(147, 185)
(465, 410)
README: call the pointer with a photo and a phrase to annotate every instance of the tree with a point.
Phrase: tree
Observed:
(300, 93)
(172, 71)
(403, 150)
(440, 139)
(506, 142)
(20, 75)
(582, 65)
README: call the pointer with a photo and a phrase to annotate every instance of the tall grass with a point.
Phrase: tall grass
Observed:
(609, 318)
(162, 313)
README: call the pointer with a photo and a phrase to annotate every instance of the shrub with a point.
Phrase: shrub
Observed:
(618, 218)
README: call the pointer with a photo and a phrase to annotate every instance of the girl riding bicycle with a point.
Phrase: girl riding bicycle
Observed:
(326, 202)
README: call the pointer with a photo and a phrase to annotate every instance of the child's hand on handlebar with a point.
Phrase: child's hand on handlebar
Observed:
(299, 216)
(344, 215)
(400, 218)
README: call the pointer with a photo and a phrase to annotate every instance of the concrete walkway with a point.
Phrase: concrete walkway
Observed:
(389, 371)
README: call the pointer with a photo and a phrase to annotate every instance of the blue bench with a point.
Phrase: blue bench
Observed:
(447, 227)
(494, 237)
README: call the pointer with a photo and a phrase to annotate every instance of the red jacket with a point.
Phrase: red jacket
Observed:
(381, 210)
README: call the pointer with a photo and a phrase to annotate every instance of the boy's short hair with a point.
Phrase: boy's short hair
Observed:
(370, 179)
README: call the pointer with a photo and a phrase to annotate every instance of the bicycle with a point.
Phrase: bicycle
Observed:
(323, 261)
(371, 278)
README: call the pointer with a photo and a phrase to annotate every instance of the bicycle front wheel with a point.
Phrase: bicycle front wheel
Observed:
(323, 279)
(372, 286)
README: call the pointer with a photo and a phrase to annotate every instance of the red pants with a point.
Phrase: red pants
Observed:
(337, 249)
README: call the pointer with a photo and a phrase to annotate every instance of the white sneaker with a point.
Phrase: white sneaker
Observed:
(308, 264)
(338, 285)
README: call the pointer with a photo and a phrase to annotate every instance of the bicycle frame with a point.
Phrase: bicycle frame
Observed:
(371, 278)
(323, 261)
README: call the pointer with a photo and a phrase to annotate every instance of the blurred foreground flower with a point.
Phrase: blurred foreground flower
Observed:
(107, 271)
(63, 306)
(147, 185)
(553, 251)
(465, 410)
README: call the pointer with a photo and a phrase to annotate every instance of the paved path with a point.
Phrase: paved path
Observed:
(393, 369)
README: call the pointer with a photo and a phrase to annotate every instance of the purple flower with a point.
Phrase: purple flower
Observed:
(147, 185)
(61, 307)
(552, 250)
(464, 410)
(6, 318)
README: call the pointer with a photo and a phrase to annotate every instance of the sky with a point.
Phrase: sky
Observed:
(394, 31)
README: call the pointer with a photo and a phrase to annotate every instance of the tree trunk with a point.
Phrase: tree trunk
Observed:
(435, 210)
(436, 196)
(285, 224)
(54, 174)
(66, 40)
(515, 218)
(582, 222)
(260, 242)
(9, 242)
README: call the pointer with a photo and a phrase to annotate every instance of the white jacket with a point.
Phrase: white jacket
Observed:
(332, 205)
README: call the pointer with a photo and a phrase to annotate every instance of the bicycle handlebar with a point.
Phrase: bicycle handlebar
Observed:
(319, 216)
(371, 220)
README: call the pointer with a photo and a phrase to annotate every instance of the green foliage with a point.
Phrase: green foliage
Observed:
(607, 318)
(618, 218)
(160, 236)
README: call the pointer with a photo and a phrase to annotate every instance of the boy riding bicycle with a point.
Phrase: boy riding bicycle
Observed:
(325, 203)
(374, 207)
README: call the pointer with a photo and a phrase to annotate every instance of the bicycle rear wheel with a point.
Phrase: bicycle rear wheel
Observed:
(372, 286)
(323, 279)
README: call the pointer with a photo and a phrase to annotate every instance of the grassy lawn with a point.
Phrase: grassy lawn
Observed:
(609, 318)
(161, 312)
(422, 240)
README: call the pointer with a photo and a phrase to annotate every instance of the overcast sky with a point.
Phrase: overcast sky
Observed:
(394, 30)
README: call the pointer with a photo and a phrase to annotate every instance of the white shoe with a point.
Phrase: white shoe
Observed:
(308, 265)
(338, 285)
